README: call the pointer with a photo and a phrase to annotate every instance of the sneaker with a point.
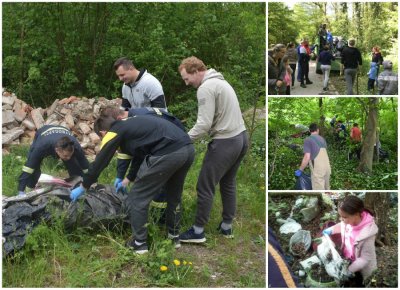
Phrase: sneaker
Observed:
(309, 82)
(325, 89)
(175, 240)
(226, 233)
(303, 86)
(138, 249)
(191, 237)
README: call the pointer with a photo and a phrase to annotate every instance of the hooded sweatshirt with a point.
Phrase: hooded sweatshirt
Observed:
(387, 80)
(219, 112)
(372, 74)
(358, 244)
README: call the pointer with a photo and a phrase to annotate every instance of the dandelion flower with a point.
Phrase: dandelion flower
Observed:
(163, 268)
(184, 263)
(190, 263)
(177, 262)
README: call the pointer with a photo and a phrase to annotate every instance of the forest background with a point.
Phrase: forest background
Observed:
(369, 23)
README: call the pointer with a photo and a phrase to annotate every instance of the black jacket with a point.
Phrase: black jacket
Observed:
(351, 57)
(135, 138)
(43, 145)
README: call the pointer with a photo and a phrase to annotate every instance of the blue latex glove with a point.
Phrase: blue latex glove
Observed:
(76, 193)
(298, 173)
(121, 187)
(116, 182)
(327, 231)
(21, 193)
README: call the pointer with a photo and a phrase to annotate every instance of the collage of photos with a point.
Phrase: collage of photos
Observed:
(332, 153)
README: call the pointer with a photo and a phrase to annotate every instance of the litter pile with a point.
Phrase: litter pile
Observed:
(101, 205)
(20, 121)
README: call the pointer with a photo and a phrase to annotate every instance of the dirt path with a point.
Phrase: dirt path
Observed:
(315, 88)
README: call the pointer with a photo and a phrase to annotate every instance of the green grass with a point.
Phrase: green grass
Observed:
(53, 257)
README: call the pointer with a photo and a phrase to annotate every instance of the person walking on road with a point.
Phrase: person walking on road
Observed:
(304, 60)
(351, 59)
(326, 58)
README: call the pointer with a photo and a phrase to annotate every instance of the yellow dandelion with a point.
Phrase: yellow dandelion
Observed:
(190, 263)
(184, 262)
(177, 262)
(163, 268)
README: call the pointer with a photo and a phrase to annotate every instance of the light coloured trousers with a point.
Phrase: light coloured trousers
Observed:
(326, 69)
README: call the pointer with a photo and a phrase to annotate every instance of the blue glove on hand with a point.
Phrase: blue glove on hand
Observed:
(298, 173)
(116, 182)
(327, 231)
(121, 187)
(76, 193)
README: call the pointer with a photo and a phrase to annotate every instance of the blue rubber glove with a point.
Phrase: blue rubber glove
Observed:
(121, 187)
(116, 182)
(76, 193)
(298, 173)
(327, 231)
(21, 193)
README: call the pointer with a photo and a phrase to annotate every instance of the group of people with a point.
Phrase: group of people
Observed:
(154, 151)
(316, 155)
(282, 61)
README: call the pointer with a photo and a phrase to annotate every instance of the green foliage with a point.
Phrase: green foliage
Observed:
(54, 50)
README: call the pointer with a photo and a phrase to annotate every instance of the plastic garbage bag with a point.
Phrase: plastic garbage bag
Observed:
(335, 266)
(290, 226)
(100, 205)
(300, 242)
(303, 182)
(311, 209)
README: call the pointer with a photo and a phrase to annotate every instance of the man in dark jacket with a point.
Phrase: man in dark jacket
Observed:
(55, 141)
(351, 59)
(160, 153)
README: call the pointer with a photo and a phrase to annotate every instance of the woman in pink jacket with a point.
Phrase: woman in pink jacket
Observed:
(358, 231)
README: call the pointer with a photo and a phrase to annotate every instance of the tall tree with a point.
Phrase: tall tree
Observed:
(367, 151)
(379, 203)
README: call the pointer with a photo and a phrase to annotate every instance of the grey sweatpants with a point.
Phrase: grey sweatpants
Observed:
(220, 165)
(350, 75)
(154, 172)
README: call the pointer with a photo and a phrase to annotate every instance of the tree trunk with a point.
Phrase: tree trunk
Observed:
(322, 129)
(367, 151)
(379, 203)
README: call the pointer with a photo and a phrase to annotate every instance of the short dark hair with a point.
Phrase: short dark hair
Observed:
(340, 121)
(326, 47)
(65, 143)
(313, 127)
(103, 123)
(125, 62)
(111, 111)
(355, 125)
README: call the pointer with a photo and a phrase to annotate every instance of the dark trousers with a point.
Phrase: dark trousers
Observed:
(371, 84)
(293, 67)
(220, 165)
(304, 72)
(155, 172)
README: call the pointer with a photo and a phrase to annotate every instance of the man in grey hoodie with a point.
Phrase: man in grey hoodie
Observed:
(220, 117)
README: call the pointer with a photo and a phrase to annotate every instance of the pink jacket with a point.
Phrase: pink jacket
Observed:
(363, 249)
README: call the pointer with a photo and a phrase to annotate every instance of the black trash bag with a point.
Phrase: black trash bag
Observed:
(100, 205)
(383, 154)
(303, 182)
